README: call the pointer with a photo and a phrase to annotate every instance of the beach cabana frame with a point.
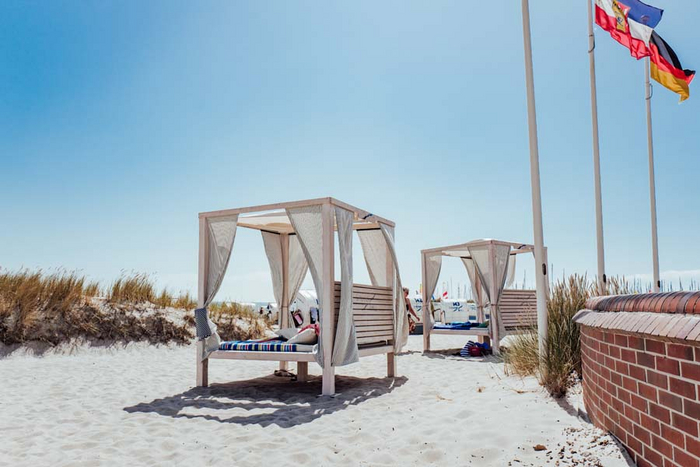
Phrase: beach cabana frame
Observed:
(487, 262)
(355, 320)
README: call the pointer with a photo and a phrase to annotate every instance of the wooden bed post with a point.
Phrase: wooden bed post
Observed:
(328, 310)
(302, 371)
(202, 365)
(283, 307)
(426, 304)
(495, 318)
(391, 279)
(481, 316)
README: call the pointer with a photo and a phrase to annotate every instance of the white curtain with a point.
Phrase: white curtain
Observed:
(273, 250)
(221, 233)
(511, 272)
(479, 299)
(492, 272)
(375, 252)
(345, 342)
(400, 315)
(433, 265)
(308, 224)
(296, 269)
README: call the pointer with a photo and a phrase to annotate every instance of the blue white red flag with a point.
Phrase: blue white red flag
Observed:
(629, 22)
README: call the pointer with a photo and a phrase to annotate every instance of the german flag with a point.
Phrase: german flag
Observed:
(667, 69)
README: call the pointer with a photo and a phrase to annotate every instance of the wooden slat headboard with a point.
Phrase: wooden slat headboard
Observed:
(518, 309)
(373, 313)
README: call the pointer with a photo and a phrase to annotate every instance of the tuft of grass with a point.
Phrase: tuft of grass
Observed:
(93, 289)
(133, 288)
(563, 346)
(164, 299)
(185, 302)
(521, 357)
(562, 361)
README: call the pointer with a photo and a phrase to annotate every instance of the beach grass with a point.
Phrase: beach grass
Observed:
(60, 306)
(561, 364)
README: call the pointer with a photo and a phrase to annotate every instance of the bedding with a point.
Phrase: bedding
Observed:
(307, 336)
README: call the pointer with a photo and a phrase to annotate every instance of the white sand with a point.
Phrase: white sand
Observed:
(137, 406)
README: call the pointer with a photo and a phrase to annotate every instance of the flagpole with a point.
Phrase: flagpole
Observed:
(540, 259)
(652, 182)
(602, 279)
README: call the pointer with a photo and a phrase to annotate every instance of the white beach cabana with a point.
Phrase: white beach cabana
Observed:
(355, 320)
(490, 265)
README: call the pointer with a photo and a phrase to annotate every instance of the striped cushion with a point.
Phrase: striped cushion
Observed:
(256, 346)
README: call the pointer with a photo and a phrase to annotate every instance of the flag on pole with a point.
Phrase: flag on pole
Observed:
(667, 69)
(444, 295)
(629, 22)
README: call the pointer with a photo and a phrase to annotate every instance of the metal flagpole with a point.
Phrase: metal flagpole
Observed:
(540, 258)
(652, 182)
(602, 279)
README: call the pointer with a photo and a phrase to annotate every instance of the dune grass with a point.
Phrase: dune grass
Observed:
(562, 362)
(60, 306)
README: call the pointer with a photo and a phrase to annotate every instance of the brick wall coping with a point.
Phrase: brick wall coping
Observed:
(670, 302)
(660, 325)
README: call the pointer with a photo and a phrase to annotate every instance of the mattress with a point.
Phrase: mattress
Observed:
(265, 346)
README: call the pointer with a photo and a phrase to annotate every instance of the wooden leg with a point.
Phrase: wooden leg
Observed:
(328, 381)
(426, 339)
(390, 365)
(202, 367)
(302, 371)
(284, 366)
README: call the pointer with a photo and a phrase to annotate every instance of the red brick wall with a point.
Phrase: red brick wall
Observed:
(645, 391)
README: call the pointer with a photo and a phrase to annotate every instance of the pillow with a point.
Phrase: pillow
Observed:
(287, 333)
(307, 336)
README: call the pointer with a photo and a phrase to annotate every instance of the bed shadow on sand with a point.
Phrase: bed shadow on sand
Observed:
(453, 354)
(268, 400)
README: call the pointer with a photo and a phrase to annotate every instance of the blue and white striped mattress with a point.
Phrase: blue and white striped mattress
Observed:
(265, 346)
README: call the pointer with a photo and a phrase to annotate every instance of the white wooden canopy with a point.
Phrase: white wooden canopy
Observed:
(300, 236)
(486, 275)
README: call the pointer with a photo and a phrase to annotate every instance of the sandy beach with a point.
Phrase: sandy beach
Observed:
(137, 406)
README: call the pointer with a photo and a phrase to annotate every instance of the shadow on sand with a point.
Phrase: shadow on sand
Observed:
(453, 354)
(268, 400)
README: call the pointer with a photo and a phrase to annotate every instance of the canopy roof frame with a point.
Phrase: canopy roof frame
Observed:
(363, 220)
(518, 248)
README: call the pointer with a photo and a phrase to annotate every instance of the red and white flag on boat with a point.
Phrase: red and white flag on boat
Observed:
(444, 295)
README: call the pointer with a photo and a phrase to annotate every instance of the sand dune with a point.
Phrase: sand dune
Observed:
(137, 406)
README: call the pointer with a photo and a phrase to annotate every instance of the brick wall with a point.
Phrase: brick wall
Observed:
(641, 381)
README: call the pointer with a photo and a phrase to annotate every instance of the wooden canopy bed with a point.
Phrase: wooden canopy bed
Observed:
(355, 320)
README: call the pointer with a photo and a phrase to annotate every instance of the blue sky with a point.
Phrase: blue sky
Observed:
(120, 121)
